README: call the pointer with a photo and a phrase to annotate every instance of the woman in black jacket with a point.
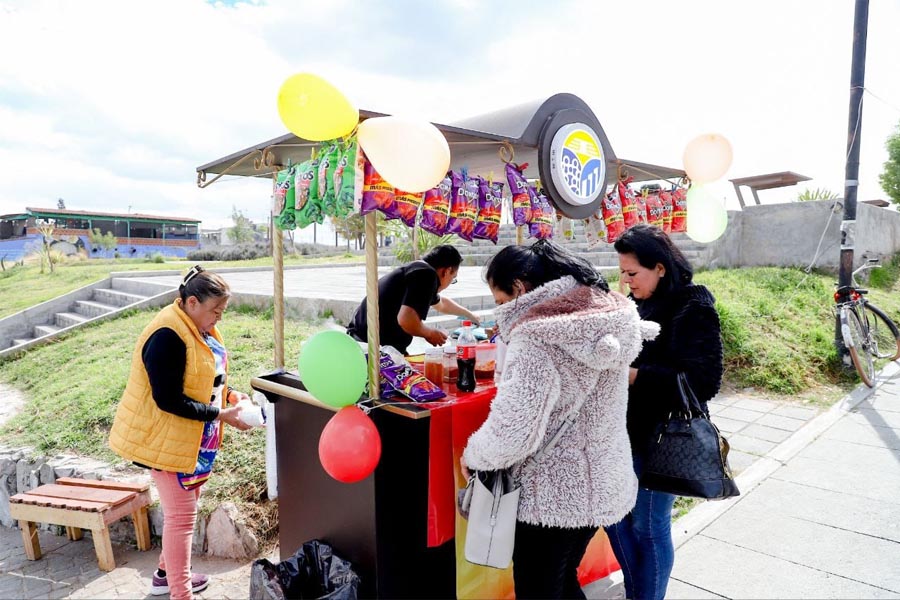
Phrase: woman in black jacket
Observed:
(660, 280)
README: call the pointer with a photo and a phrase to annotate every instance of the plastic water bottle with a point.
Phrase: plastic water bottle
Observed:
(465, 358)
(251, 414)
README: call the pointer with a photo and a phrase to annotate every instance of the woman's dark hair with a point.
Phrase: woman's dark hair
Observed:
(203, 284)
(443, 256)
(651, 246)
(537, 264)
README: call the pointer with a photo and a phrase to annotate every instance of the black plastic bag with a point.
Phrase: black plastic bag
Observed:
(312, 572)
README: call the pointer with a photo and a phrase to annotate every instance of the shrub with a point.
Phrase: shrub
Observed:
(155, 257)
(237, 252)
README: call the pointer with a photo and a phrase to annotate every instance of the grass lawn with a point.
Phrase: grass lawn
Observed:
(21, 287)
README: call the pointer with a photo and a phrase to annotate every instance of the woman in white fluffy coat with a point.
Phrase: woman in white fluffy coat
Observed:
(570, 342)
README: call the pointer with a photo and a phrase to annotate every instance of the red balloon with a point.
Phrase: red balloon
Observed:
(350, 446)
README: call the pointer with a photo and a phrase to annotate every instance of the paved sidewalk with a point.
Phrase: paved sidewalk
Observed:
(69, 570)
(819, 514)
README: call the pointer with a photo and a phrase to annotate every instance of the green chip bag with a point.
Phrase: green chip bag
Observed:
(352, 167)
(283, 199)
(306, 206)
(328, 163)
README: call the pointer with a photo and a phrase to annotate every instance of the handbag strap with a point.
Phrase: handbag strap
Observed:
(535, 458)
(690, 405)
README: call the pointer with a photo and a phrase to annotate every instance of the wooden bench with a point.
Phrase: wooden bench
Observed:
(83, 504)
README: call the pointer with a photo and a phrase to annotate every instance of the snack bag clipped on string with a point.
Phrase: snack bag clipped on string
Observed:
(283, 199)
(377, 194)
(463, 205)
(542, 217)
(406, 205)
(350, 178)
(640, 205)
(612, 216)
(521, 198)
(436, 207)
(564, 229)
(626, 199)
(490, 202)
(594, 230)
(328, 164)
(305, 210)
(654, 210)
(679, 210)
(665, 199)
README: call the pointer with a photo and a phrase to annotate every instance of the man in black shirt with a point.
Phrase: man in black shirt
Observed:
(404, 297)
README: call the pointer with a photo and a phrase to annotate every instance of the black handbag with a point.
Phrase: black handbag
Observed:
(688, 456)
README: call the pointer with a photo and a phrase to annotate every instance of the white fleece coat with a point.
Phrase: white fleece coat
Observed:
(567, 344)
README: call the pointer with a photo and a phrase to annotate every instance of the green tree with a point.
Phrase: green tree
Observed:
(890, 178)
(816, 194)
(413, 243)
(107, 241)
(242, 231)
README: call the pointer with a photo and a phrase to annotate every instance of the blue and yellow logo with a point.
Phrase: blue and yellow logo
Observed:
(582, 164)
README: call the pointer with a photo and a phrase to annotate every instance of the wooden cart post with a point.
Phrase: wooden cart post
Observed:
(372, 305)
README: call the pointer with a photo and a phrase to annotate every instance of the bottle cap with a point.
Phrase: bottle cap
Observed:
(467, 323)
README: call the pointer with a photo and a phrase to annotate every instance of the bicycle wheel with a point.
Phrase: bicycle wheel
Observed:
(885, 335)
(856, 340)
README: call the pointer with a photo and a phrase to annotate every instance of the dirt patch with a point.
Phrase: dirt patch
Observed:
(11, 402)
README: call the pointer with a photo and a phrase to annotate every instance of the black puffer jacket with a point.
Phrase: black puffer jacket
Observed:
(689, 341)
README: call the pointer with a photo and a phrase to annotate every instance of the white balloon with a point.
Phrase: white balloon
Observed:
(706, 216)
(411, 155)
(707, 157)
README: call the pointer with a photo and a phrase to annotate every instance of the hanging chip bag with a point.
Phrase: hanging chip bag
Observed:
(612, 216)
(407, 205)
(665, 199)
(679, 210)
(283, 200)
(377, 194)
(542, 217)
(626, 198)
(306, 211)
(594, 230)
(490, 202)
(521, 197)
(349, 179)
(654, 210)
(436, 207)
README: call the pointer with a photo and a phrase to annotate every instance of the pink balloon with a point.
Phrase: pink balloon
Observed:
(350, 446)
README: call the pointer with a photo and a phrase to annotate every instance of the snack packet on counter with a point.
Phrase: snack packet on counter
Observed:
(436, 207)
(377, 194)
(398, 376)
(612, 216)
(542, 217)
(679, 210)
(490, 202)
(406, 205)
(521, 197)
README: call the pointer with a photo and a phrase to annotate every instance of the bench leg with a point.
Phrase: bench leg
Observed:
(103, 546)
(141, 528)
(30, 538)
(74, 533)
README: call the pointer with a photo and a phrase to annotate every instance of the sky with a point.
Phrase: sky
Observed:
(111, 105)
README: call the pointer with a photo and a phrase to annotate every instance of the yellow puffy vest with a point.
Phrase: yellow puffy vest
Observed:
(143, 433)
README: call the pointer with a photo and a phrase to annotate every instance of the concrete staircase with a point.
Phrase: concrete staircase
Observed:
(46, 321)
(478, 252)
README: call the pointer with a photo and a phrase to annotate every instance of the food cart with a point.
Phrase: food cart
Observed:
(399, 527)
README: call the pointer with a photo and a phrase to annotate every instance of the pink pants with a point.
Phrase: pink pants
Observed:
(179, 514)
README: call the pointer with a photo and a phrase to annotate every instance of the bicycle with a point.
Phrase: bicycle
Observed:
(868, 332)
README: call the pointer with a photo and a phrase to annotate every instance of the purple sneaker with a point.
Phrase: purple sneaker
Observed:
(160, 584)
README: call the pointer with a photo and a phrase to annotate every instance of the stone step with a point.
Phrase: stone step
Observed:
(67, 319)
(116, 297)
(20, 341)
(42, 330)
(91, 309)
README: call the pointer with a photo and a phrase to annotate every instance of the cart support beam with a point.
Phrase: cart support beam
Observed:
(372, 305)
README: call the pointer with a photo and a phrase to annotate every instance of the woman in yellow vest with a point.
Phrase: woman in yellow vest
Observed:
(169, 418)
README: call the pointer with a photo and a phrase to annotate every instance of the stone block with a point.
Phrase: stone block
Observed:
(728, 425)
(770, 434)
(227, 537)
(199, 542)
(795, 412)
(780, 422)
(750, 445)
(47, 474)
(5, 518)
(740, 414)
(753, 404)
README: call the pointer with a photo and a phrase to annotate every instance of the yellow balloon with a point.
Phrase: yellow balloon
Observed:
(707, 157)
(411, 155)
(706, 216)
(313, 109)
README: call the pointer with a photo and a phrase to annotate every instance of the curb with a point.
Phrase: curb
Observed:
(697, 519)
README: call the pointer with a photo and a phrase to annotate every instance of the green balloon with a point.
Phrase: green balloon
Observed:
(333, 368)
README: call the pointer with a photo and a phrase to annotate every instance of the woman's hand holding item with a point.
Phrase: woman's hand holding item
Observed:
(632, 375)
(232, 416)
(464, 468)
(234, 397)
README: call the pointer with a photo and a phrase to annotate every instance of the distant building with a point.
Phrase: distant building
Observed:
(137, 234)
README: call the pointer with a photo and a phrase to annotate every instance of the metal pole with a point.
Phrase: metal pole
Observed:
(854, 133)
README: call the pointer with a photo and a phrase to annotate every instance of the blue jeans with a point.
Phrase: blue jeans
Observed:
(642, 543)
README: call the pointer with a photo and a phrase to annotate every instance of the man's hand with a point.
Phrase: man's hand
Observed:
(476, 322)
(232, 417)
(435, 337)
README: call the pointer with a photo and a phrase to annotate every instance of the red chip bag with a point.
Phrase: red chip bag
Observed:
(665, 199)
(640, 207)
(612, 216)
(679, 212)
(377, 194)
(626, 199)
(436, 207)
(542, 217)
(407, 206)
(654, 210)
(521, 197)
